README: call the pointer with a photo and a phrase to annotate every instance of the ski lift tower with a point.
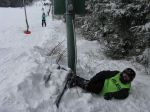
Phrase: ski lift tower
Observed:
(148, 68)
(70, 8)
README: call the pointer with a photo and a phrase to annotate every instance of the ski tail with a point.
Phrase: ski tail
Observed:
(65, 87)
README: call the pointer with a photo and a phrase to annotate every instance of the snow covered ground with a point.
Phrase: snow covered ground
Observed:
(26, 59)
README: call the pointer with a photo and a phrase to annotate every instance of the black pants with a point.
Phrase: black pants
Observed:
(43, 23)
(90, 85)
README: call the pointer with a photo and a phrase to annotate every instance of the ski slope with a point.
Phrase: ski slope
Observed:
(25, 61)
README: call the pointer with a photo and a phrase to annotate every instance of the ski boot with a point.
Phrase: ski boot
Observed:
(77, 81)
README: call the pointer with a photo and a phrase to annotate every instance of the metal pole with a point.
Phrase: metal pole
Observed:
(52, 9)
(70, 35)
(148, 59)
(148, 62)
(26, 16)
(147, 66)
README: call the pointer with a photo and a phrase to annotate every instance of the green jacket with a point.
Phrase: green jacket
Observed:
(114, 84)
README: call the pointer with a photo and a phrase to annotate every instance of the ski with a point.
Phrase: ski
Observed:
(65, 87)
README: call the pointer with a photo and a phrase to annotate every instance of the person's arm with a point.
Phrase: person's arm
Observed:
(122, 94)
(103, 75)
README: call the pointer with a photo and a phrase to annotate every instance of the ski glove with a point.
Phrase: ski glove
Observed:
(108, 96)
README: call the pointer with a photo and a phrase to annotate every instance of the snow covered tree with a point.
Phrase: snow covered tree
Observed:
(14, 3)
(123, 25)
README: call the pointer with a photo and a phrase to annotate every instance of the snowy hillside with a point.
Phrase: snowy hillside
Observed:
(27, 59)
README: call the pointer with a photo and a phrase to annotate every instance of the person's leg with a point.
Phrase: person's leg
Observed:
(95, 87)
(42, 23)
(95, 84)
(81, 82)
(78, 81)
(88, 85)
(45, 23)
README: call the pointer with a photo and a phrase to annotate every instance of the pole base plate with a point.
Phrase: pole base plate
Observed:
(27, 32)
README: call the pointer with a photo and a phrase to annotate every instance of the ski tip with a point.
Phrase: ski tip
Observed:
(57, 105)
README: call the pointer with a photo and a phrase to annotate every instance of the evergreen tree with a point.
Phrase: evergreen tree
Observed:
(123, 25)
(14, 3)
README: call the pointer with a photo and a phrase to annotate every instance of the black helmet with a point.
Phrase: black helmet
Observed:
(130, 72)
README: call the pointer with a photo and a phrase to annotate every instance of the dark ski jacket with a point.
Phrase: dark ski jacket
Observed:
(43, 17)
